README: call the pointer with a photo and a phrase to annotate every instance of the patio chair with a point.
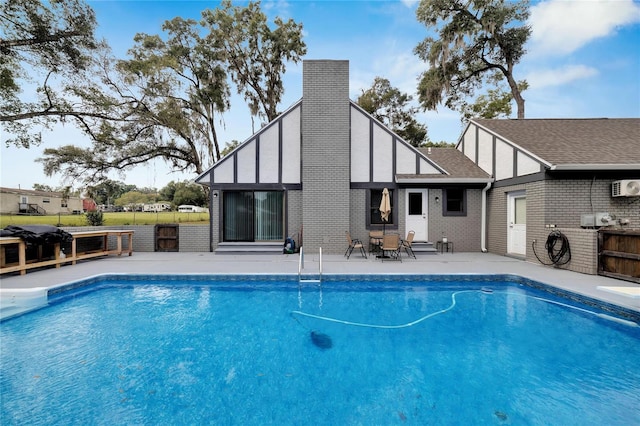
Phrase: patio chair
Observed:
(406, 244)
(375, 241)
(391, 247)
(354, 244)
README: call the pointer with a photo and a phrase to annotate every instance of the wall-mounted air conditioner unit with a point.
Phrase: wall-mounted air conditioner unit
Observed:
(626, 188)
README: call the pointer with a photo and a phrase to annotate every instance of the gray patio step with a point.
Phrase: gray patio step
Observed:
(249, 248)
(419, 248)
(423, 247)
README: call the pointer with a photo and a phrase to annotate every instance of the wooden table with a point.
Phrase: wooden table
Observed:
(59, 258)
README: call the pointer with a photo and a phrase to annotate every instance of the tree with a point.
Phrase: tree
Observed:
(391, 107)
(168, 191)
(169, 96)
(476, 39)
(41, 187)
(183, 193)
(256, 54)
(495, 103)
(43, 44)
(134, 198)
(108, 191)
(184, 83)
(230, 146)
(189, 193)
(441, 144)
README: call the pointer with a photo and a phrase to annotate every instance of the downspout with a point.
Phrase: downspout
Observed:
(483, 219)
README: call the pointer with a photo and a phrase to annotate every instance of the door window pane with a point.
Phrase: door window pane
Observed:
(238, 216)
(415, 203)
(268, 209)
(520, 211)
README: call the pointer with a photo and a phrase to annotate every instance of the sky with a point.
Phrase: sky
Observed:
(582, 61)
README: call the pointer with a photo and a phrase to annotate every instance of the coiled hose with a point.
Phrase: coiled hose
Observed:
(557, 247)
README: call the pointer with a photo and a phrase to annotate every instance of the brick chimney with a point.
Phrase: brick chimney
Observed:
(325, 155)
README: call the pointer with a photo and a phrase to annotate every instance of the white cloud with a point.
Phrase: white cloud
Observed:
(277, 8)
(409, 3)
(561, 27)
(559, 76)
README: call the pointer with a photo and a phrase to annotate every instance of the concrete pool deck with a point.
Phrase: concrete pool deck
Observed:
(618, 292)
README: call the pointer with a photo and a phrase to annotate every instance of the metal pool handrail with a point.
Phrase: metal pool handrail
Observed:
(301, 266)
(300, 262)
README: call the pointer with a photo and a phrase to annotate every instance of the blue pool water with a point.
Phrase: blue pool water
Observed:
(402, 351)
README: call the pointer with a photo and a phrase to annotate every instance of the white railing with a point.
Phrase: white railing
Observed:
(300, 262)
(301, 266)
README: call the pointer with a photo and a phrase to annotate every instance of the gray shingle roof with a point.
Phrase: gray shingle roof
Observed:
(573, 141)
(453, 161)
(30, 192)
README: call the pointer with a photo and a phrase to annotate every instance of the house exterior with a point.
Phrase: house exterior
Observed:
(89, 205)
(556, 174)
(319, 170)
(26, 201)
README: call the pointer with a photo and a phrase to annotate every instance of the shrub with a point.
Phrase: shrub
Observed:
(95, 218)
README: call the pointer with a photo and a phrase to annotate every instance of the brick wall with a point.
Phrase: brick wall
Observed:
(294, 215)
(463, 231)
(584, 250)
(497, 218)
(192, 238)
(401, 212)
(325, 154)
(358, 219)
(560, 203)
(536, 219)
(567, 200)
(216, 219)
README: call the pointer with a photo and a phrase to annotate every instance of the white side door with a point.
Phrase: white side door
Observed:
(416, 219)
(517, 223)
(24, 202)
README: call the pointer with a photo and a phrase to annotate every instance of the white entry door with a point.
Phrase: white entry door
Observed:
(517, 223)
(417, 213)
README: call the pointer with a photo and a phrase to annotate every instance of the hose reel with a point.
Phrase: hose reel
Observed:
(557, 247)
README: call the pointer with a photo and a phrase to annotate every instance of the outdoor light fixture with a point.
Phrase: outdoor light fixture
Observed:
(437, 199)
(215, 195)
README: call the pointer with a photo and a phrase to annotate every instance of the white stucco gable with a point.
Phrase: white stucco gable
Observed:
(273, 154)
(496, 155)
(378, 154)
(270, 156)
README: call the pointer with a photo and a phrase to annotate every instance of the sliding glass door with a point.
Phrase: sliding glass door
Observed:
(253, 215)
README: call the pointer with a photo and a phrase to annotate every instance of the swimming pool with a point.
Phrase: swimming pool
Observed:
(385, 350)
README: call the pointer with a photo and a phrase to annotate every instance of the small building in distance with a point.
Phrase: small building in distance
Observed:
(32, 202)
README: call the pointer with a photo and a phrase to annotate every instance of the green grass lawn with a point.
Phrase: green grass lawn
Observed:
(110, 219)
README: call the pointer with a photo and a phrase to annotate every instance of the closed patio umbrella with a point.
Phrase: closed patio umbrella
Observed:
(385, 207)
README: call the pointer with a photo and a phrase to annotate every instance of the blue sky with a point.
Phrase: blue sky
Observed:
(583, 61)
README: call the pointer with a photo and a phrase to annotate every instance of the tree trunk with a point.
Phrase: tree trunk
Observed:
(515, 92)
